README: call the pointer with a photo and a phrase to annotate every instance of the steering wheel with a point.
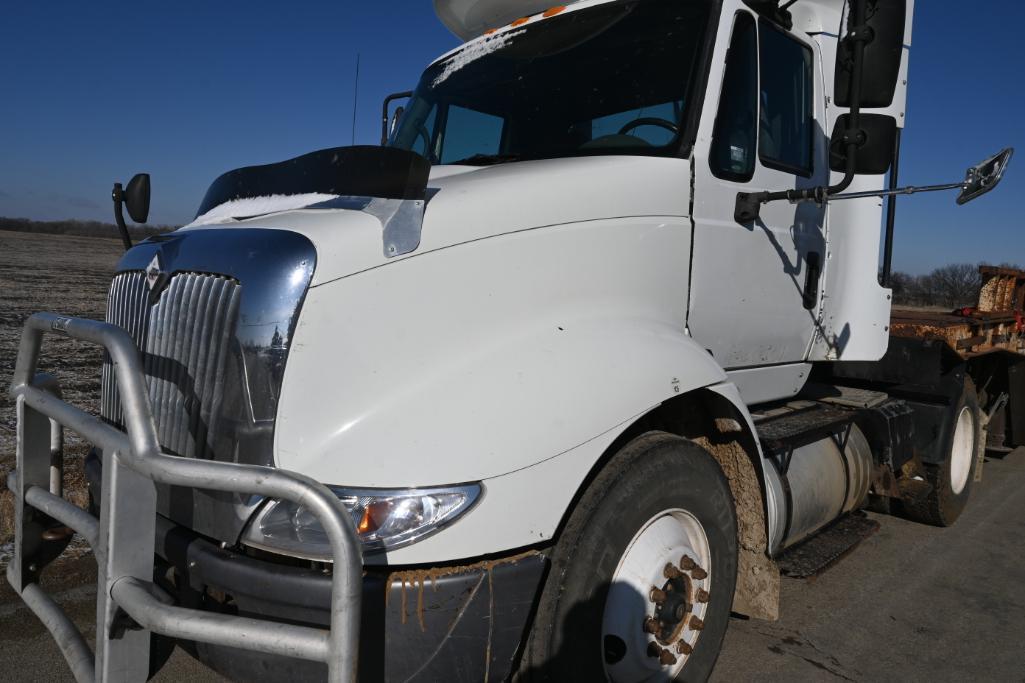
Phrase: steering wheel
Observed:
(649, 121)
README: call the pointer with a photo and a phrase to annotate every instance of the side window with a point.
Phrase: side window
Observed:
(732, 155)
(416, 128)
(787, 119)
(424, 133)
(468, 133)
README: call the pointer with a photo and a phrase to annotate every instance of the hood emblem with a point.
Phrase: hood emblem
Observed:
(155, 277)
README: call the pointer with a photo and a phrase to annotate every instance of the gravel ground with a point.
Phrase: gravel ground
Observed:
(62, 274)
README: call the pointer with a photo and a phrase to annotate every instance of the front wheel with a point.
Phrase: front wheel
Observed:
(643, 575)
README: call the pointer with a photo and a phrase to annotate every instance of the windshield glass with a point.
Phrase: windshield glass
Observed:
(609, 79)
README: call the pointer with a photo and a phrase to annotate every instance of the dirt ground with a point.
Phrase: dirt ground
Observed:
(61, 274)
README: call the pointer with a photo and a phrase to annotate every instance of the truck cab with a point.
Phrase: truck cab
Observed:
(578, 354)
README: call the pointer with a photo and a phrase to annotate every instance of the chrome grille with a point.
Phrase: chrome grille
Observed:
(185, 337)
(126, 308)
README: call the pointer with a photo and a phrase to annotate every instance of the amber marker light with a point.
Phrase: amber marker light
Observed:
(551, 12)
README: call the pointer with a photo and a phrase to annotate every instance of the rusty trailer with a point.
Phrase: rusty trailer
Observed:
(997, 322)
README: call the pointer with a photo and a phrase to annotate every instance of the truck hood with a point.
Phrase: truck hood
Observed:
(469, 203)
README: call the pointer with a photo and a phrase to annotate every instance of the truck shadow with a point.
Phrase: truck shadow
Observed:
(582, 648)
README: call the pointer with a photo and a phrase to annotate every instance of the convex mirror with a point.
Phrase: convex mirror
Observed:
(136, 197)
(983, 177)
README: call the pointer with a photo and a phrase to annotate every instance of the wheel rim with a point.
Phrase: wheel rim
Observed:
(962, 450)
(649, 629)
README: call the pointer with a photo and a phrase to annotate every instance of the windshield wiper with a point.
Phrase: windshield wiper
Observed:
(486, 159)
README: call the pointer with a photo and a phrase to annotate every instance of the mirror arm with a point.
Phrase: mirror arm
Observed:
(118, 196)
(384, 112)
(910, 189)
(749, 204)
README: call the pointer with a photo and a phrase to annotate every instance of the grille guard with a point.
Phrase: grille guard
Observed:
(129, 605)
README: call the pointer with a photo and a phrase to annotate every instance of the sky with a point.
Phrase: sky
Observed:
(91, 93)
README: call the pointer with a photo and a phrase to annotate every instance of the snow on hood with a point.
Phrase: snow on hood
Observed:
(258, 206)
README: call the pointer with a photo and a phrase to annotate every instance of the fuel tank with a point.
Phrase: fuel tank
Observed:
(822, 479)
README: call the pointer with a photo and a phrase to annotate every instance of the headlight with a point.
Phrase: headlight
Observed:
(384, 519)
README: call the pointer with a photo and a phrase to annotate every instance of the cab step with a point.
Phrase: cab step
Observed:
(800, 423)
(822, 550)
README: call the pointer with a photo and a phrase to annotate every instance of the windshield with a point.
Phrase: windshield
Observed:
(609, 79)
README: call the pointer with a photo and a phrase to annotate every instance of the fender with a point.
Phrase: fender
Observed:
(473, 361)
(514, 360)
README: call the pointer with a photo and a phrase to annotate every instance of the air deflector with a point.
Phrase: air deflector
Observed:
(360, 171)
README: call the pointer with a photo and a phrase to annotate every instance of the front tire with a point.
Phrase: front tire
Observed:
(660, 516)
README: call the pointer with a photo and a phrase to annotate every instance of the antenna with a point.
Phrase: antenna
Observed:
(355, 96)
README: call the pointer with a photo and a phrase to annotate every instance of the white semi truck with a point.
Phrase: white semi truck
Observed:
(543, 387)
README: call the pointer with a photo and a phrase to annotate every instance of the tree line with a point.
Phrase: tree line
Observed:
(80, 228)
(955, 285)
(952, 286)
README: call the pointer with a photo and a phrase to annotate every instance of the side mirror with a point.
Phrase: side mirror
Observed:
(136, 197)
(884, 47)
(876, 149)
(983, 177)
(399, 111)
(385, 128)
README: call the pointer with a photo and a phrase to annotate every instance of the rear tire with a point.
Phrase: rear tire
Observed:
(659, 498)
(952, 480)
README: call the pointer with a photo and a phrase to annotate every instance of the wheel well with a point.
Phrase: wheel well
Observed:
(715, 424)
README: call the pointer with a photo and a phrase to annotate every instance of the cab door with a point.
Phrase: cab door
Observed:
(754, 294)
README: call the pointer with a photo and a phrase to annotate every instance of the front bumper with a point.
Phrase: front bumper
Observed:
(451, 623)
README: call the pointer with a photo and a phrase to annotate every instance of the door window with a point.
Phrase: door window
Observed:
(734, 137)
(787, 118)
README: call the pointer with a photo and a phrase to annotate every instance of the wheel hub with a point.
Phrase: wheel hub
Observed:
(656, 604)
(672, 604)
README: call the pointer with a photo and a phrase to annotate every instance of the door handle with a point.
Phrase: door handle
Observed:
(813, 262)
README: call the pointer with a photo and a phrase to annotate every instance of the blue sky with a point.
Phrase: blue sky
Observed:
(91, 93)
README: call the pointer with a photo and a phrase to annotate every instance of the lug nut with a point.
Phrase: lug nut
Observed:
(651, 626)
(684, 648)
(687, 563)
(698, 573)
(667, 658)
(702, 595)
(654, 650)
(656, 595)
(58, 533)
(695, 624)
(670, 572)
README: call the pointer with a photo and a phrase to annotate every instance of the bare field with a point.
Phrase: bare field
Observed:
(61, 274)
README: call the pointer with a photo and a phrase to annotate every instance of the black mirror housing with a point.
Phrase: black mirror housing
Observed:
(136, 197)
(385, 130)
(983, 177)
(885, 20)
(875, 154)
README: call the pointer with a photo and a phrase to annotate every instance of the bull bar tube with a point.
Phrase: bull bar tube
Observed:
(129, 605)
